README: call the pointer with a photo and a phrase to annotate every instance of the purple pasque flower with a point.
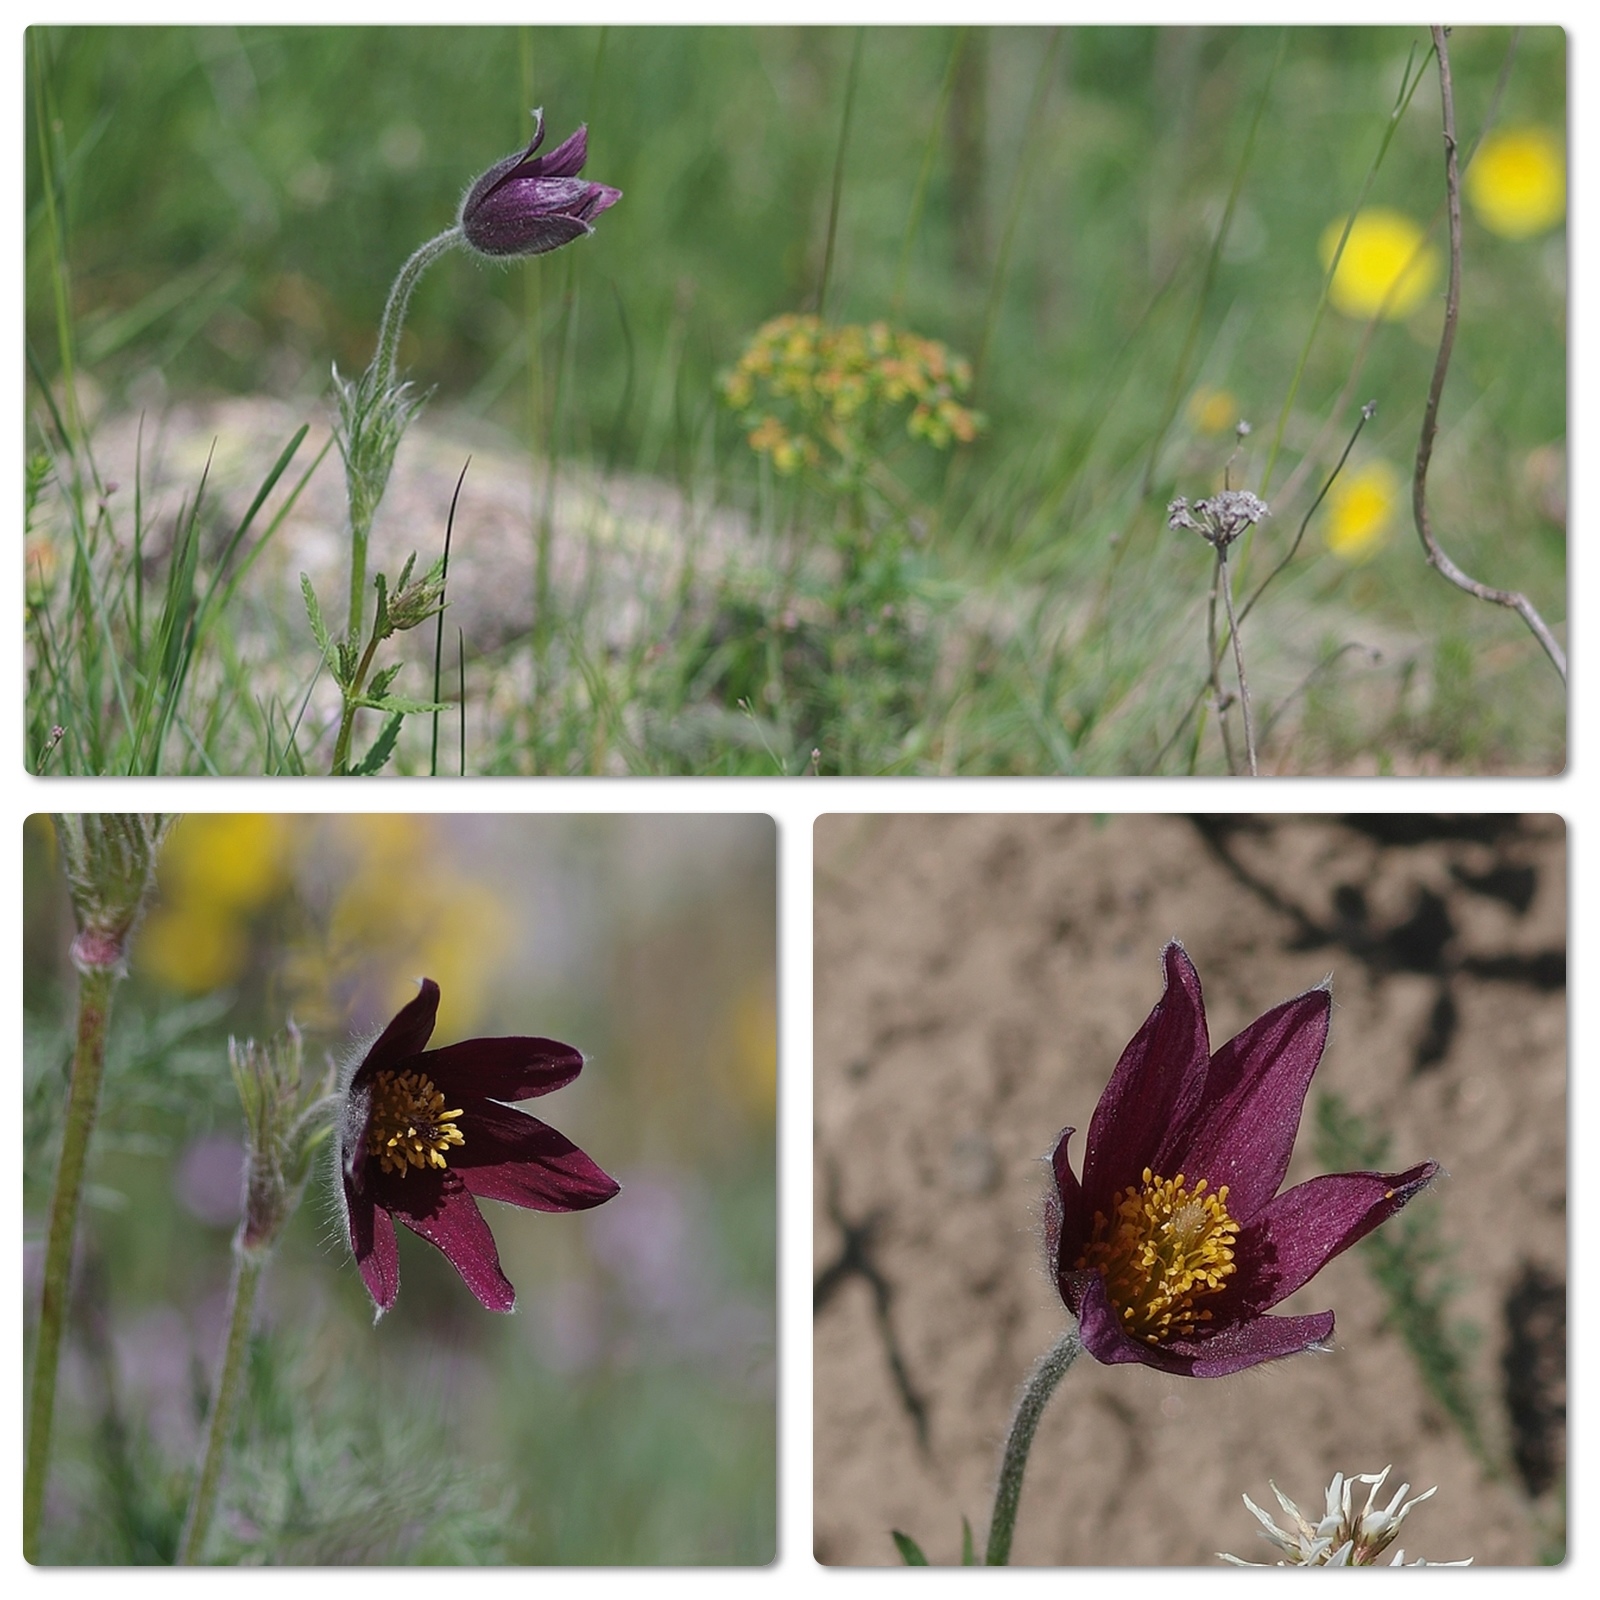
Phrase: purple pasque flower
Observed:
(423, 1132)
(528, 204)
(1177, 1243)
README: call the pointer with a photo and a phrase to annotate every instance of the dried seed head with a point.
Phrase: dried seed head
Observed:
(1221, 518)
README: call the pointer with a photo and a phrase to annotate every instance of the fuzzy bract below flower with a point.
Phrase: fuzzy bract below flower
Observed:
(1388, 268)
(422, 1132)
(528, 204)
(110, 861)
(1345, 1537)
(1517, 182)
(1176, 1244)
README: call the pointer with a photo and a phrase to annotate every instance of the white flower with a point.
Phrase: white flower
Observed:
(1344, 1537)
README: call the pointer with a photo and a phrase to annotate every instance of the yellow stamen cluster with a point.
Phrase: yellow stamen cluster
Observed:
(410, 1126)
(803, 383)
(1164, 1247)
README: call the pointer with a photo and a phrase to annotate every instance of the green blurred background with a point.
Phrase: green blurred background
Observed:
(626, 1412)
(237, 201)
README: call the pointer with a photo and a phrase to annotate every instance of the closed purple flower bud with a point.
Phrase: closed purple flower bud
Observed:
(528, 204)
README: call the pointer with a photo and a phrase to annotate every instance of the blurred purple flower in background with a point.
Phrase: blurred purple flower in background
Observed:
(528, 204)
(209, 1179)
(659, 1297)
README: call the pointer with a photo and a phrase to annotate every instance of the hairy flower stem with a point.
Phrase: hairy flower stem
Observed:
(1036, 1394)
(347, 718)
(1226, 584)
(375, 385)
(247, 1269)
(394, 312)
(95, 988)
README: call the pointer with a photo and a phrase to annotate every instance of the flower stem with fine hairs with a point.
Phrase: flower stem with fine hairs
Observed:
(394, 311)
(1036, 1394)
(95, 988)
(375, 391)
(247, 1267)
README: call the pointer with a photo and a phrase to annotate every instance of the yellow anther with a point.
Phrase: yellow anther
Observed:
(1164, 1247)
(410, 1126)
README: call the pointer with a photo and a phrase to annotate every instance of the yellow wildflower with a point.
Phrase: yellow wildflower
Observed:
(1361, 510)
(1213, 410)
(1388, 267)
(1517, 182)
(215, 873)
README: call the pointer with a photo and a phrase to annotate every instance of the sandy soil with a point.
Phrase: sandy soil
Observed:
(976, 978)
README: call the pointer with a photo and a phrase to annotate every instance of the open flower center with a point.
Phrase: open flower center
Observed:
(410, 1126)
(1165, 1247)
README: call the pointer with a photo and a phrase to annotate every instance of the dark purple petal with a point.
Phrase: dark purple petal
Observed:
(372, 1242)
(1297, 1234)
(536, 197)
(522, 234)
(1155, 1086)
(527, 205)
(568, 157)
(1067, 1219)
(490, 181)
(1098, 1323)
(438, 1208)
(500, 1069)
(516, 1158)
(538, 133)
(601, 198)
(407, 1035)
(502, 169)
(1231, 1348)
(1246, 1344)
(1255, 1090)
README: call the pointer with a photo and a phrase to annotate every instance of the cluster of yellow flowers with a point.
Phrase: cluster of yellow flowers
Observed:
(803, 384)
(217, 874)
(354, 896)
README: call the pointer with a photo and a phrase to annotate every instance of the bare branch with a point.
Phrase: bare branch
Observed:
(1430, 418)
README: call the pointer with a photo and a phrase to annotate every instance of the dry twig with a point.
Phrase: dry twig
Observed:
(1430, 417)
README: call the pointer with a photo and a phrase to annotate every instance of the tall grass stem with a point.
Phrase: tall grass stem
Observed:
(930, 151)
(1408, 88)
(1180, 370)
(438, 638)
(1019, 189)
(838, 172)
